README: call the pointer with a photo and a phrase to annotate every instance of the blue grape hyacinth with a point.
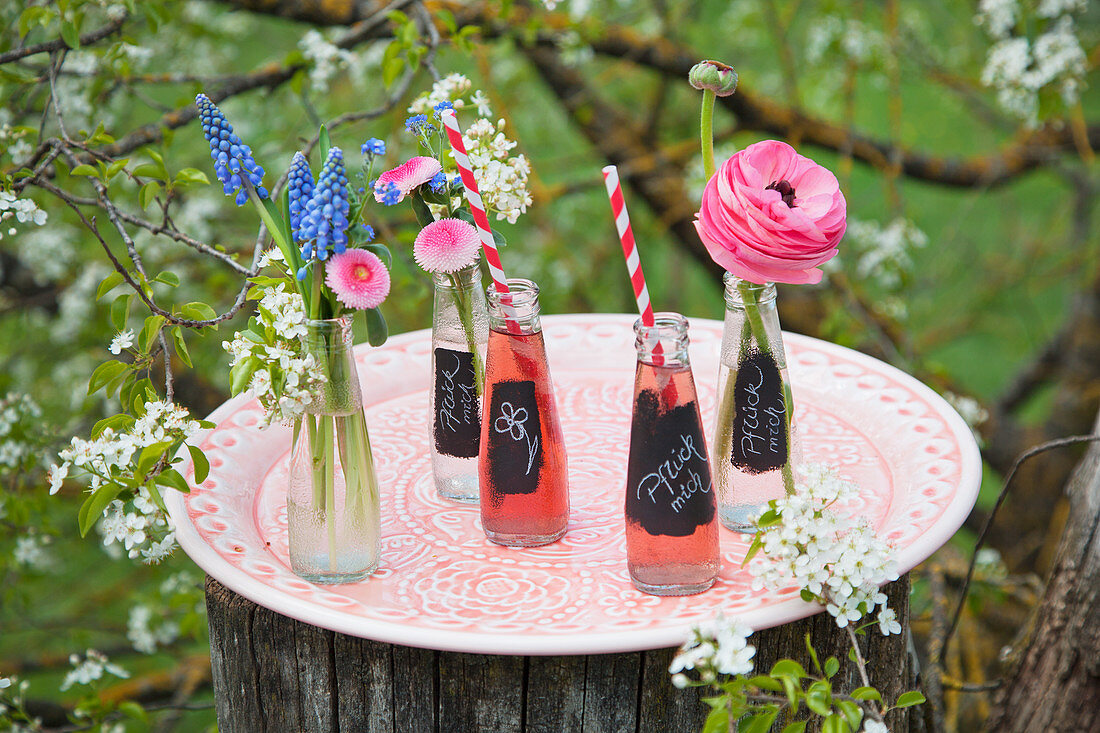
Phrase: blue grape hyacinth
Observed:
(232, 158)
(325, 221)
(299, 183)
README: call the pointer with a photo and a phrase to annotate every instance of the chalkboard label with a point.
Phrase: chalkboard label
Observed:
(760, 419)
(515, 438)
(668, 480)
(457, 426)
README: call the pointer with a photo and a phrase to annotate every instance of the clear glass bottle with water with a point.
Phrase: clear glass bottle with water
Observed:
(460, 334)
(755, 442)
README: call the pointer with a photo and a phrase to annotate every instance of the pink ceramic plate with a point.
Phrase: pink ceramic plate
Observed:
(443, 585)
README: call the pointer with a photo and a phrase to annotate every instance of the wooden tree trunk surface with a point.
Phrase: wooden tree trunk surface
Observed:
(272, 673)
(1055, 684)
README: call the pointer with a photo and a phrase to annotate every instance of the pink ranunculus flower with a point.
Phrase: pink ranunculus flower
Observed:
(772, 215)
(408, 175)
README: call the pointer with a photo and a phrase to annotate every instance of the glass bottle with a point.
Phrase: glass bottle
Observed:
(671, 518)
(460, 331)
(755, 442)
(523, 472)
(333, 514)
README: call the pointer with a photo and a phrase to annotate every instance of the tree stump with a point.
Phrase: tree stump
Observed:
(272, 673)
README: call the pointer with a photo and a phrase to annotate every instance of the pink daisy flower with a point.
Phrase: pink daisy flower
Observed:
(358, 278)
(407, 176)
(446, 245)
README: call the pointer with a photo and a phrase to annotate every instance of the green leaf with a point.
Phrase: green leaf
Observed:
(241, 374)
(133, 710)
(718, 721)
(109, 283)
(761, 722)
(117, 423)
(167, 278)
(807, 595)
(154, 492)
(391, 69)
(191, 175)
(754, 547)
(377, 331)
(180, 345)
(120, 310)
(171, 478)
(818, 702)
(866, 693)
(834, 724)
(499, 239)
(197, 311)
(150, 331)
(383, 253)
(84, 170)
(114, 168)
(792, 691)
(797, 727)
(150, 455)
(105, 373)
(832, 666)
(151, 170)
(813, 652)
(92, 508)
(199, 460)
(70, 32)
(909, 699)
(852, 713)
(148, 194)
(766, 683)
(324, 141)
(788, 668)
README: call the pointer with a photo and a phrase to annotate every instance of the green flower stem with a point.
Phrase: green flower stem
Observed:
(330, 488)
(315, 297)
(465, 309)
(276, 231)
(316, 461)
(706, 133)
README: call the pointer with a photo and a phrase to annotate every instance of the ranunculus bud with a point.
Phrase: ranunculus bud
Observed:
(715, 76)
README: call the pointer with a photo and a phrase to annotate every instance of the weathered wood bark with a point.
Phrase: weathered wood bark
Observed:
(272, 673)
(1055, 685)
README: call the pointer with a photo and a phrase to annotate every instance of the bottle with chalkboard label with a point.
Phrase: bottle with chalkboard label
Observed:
(755, 442)
(524, 478)
(460, 332)
(671, 514)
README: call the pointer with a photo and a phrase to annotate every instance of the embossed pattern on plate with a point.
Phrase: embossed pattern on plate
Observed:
(442, 585)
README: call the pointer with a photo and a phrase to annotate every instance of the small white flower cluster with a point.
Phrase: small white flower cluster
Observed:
(286, 380)
(849, 37)
(18, 416)
(22, 210)
(327, 59)
(501, 179)
(139, 523)
(50, 254)
(968, 408)
(840, 560)
(1019, 67)
(122, 340)
(30, 551)
(146, 635)
(86, 671)
(884, 250)
(718, 647)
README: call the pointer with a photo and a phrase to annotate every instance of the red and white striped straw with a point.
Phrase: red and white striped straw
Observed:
(630, 251)
(477, 207)
(626, 237)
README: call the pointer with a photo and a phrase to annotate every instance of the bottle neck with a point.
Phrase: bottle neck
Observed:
(328, 336)
(516, 311)
(665, 343)
(742, 293)
(466, 279)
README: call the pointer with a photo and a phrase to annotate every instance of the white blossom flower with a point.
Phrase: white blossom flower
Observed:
(144, 634)
(870, 725)
(327, 59)
(840, 560)
(122, 340)
(30, 551)
(718, 647)
(94, 665)
(888, 622)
